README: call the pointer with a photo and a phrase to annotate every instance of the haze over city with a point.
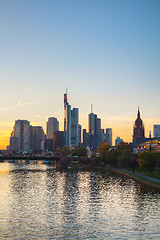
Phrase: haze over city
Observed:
(106, 52)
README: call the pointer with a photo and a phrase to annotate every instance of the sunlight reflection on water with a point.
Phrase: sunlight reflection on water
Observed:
(37, 202)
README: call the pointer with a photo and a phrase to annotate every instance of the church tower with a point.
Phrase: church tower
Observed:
(138, 130)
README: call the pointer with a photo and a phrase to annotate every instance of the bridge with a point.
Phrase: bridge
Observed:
(64, 161)
(61, 161)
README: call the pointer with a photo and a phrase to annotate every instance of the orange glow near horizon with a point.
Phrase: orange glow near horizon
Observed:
(4, 139)
(122, 129)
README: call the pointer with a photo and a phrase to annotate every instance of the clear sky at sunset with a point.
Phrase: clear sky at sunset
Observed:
(106, 51)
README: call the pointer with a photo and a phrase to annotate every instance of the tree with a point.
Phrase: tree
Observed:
(123, 146)
(148, 160)
(158, 159)
(112, 157)
(80, 152)
(133, 163)
(125, 153)
(66, 151)
(103, 151)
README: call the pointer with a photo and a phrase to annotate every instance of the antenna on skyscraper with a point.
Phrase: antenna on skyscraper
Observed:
(66, 88)
(91, 108)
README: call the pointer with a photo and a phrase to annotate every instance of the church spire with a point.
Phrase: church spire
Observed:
(138, 115)
(138, 131)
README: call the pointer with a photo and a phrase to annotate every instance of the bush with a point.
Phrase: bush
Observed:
(149, 160)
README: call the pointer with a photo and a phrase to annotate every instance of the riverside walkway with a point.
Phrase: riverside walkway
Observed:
(141, 176)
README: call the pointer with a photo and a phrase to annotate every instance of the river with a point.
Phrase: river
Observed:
(38, 202)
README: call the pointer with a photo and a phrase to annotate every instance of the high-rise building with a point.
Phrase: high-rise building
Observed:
(102, 135)
(79, 134)
(71, 124)
(108, 136)
(21, 132)
(37, 138)
(65, 112)
(92, 124)
(94, 130)
(98, 131)
(59, 139)
(138, 130)
(14, 144)
(86, 138)
(118, 140)
(67, 121)
(52, 127)
(156, 130)
(74, 127)
(68, 125)
(48, 145)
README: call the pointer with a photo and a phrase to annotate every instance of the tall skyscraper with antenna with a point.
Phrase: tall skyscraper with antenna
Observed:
(67, 120)
(94, 129)
(71, 124)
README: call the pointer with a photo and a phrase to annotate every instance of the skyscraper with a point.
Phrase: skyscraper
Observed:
(74, 127)
(37, 138)
(71, 122)
(21, 132)
(94, 130)
(52, 127)
(92, 124)
(108, 136)
(59, 139)
(138, 130)
(85, 143)
(98, 131)
(67, 121)
(102, 135)
(14, 144)
(118, 140)
(156, 130)
(79, 134)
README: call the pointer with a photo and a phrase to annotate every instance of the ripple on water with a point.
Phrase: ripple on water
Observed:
(36, 202)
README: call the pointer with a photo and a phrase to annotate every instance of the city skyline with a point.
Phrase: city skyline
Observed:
(107, 52)
(55, 126)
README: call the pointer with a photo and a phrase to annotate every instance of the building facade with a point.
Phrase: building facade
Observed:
(138, 130)
(102, 135)
(59, 140)
(52, 127)
(67, 121)
(37, 139)
(98, 131)
(118, 140)
(108, 136)
(94, 127)
(156, 130)
(14, 144)
(152, 145)
(21, 135)
(79, 134)
(71, 124)
(74, 127)
(86, 139)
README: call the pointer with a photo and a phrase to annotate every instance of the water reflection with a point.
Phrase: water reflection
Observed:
(38, 202)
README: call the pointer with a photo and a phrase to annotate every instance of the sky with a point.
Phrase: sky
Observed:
(107, 53)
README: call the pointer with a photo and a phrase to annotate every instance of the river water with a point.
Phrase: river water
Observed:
(38, 202)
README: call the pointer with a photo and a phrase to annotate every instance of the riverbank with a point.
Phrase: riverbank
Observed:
(151, 182)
